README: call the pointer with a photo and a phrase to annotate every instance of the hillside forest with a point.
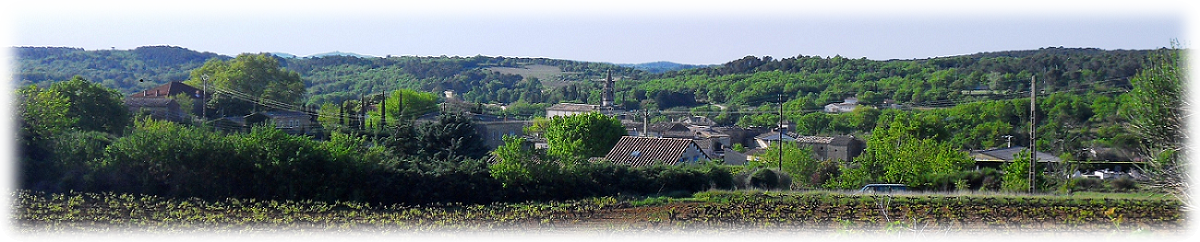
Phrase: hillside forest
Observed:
(979, 95)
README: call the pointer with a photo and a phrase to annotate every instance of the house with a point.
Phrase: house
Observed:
(492, 132)
(568, 109)
(290, 122)
(770, 138)
(842, 147)
(842, 107)
(696, 120)
(999, 156)
(174, 89)
(670, 130)
(161, 108)
(646, 151)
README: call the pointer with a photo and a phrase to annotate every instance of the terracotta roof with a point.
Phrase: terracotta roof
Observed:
(645, 151)
(169, 89)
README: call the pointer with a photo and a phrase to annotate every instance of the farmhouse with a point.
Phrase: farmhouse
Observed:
(842, 107)
(158, 103)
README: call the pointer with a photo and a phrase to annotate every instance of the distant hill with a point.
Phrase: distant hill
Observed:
(338, 53)
(124, 70)
(283, 55)
(662, 66)
(330, 77)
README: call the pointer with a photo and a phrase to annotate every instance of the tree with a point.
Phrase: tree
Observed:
(519, 164)
(95, 108)
(249, 82)
(1156, 116)
(44, 113)
(578, 137)
(908, 149)
(404, 104)
(1016, 173)
(451, 137)
(797, 162)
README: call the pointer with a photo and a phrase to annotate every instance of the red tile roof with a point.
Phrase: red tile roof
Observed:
(645, 151)
(169, 89)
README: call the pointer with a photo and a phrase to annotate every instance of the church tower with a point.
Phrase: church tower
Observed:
(607, 98)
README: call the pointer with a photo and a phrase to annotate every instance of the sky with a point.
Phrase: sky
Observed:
(690, 32)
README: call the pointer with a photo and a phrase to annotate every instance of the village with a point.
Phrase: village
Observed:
(684, 140)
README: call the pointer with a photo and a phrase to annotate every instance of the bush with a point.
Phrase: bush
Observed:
(763, 178)
(1123, 184)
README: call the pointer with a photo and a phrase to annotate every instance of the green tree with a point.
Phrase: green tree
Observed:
(44, 113)
(1016, 173)
(907, 149)
(797, 162)
(249, 82)
(402, 106)
(452, 137)
(95, 107)
(578, 137)
(518, 164)
(1156, 116)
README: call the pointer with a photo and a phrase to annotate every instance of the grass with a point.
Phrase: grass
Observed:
(542, 72)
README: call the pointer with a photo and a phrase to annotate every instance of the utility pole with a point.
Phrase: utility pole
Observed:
(1032, 130)
(782, 129)
(383, 110)
(363, 113)
(203, 96)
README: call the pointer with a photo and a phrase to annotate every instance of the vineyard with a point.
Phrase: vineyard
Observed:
(713, 211)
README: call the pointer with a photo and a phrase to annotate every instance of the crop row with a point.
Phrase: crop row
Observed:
(735, 210)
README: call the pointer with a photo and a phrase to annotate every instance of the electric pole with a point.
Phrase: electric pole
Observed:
(1032, 130)
(203, 94)
(782, 129)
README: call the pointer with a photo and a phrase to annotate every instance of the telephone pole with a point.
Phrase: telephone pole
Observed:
(782, 129)
(1032, 130)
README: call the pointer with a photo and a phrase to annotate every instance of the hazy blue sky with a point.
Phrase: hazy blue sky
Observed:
(698, 32)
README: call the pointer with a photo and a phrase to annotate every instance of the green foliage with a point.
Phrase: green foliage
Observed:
(578, 137)
(1016, 173)
(518, 163)
(1156, 115)
(126, 71)
(403, 105)
(907, 150)
(95, 108)
(452, 137)
(44, 113)
(258, 77)
(798, 162)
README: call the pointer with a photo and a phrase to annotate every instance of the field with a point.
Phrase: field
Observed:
(705, 212)
(542, 72)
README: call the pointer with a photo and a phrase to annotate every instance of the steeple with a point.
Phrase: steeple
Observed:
(607, 99)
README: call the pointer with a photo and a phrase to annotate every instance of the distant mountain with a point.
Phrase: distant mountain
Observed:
(283, 55)
(338, 53)
(662, 66)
